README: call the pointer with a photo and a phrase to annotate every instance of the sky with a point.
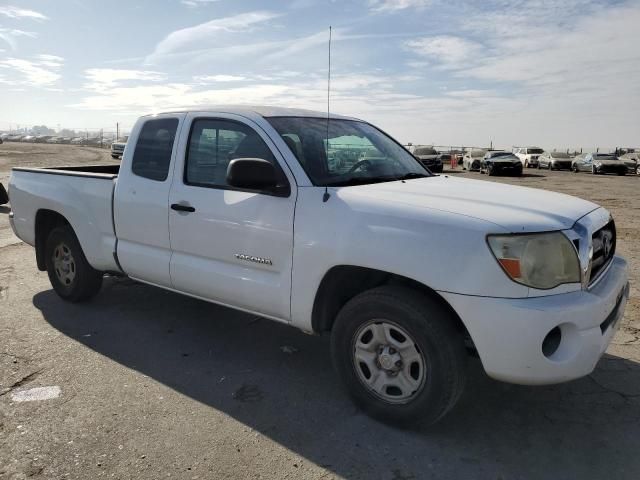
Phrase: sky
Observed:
(552, 73)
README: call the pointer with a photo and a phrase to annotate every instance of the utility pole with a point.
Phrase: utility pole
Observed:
(117, 131)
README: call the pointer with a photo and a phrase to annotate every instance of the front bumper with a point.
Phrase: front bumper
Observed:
(611, 169)
(508, 333)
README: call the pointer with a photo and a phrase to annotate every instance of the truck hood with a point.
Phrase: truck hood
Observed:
(516, 209)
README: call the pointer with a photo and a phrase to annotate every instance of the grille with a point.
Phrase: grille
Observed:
(604, 248)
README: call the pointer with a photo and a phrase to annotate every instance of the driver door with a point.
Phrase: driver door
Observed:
(229, 245)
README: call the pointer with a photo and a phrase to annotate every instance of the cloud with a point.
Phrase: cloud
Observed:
(10, 34)
(200, 36)
(447, 50)
(394, 5)
(104, 79)
(218, 78)
(17, 12)
(196, 3)
(36, 73)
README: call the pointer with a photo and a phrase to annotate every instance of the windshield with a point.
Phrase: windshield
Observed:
(604, 156)
(560, 155)
(426, 151)
(355, 153)
(536, 151)
(500, 154)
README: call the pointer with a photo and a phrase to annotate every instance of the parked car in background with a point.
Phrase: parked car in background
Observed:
(472, 160)
(63, 140)
(4, 198)
(52, 140)
(1, 141)
(528, 155)
(632, 161)
(42, 138)
(429, 157)
(28, 139)
(77, 141)
(117, 147)
(497, 162)
(555, 161)
(599, 163)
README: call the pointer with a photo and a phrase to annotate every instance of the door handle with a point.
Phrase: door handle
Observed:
(182, 208)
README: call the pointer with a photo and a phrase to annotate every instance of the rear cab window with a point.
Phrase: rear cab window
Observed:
(152, 155)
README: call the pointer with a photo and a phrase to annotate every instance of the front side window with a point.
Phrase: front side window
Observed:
(213, 143)
(152, 155)
(345, 152)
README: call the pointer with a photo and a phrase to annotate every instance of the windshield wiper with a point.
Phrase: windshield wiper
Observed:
(367, 180)
(412, 175)
(361, 181)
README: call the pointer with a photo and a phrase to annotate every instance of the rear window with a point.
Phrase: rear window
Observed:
(152, 156)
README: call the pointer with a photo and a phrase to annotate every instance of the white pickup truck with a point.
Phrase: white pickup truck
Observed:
(277, 212)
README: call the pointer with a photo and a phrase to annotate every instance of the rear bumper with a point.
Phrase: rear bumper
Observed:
(509, 333)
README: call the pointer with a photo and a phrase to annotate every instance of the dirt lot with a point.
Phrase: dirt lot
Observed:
(155, 385)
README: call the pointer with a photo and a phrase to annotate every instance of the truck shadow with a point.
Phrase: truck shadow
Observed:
(236, 364)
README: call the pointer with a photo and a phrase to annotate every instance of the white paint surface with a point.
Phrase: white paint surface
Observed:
(36, 394)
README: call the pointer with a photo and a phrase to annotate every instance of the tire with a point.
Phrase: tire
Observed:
(114, 156)
(490, 170)
(593, 170)
(432, 339)
(71, 277)
(4, 196)
(538, 166)
(518, 172)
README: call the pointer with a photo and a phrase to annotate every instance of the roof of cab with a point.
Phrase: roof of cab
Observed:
(249, 110)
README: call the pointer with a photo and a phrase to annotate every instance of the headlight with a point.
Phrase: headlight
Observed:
(597, 164)
(539, 260)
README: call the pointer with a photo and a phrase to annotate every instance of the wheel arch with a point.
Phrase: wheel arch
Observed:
(343, 282)
(46, 221)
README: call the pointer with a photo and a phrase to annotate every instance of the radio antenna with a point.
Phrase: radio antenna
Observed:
(326, 195)
(328, 87)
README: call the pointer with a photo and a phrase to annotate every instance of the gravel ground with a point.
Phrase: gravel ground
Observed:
(158, 385)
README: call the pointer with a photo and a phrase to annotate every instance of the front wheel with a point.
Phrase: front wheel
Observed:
(70, 274)
(399, 355)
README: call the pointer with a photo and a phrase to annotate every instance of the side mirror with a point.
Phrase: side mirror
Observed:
(252, 174)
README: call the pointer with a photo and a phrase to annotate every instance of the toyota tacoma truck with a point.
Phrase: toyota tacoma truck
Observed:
(407, 271)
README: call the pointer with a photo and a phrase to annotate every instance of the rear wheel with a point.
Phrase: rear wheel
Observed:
(70, 274)
(399, 355)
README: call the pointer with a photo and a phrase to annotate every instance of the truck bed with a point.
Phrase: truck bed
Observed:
(83, 195)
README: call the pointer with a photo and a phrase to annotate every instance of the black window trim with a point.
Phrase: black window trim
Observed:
(174, 145)
(284, 191)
